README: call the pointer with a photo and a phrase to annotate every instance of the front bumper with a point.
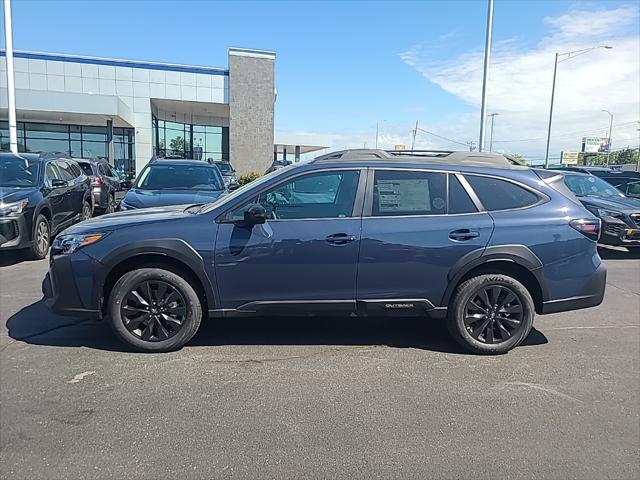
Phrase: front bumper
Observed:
(590, 296)
(617, 232)
(60, 286)
(15, 232)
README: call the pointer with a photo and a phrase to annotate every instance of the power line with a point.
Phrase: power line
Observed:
(567, 134)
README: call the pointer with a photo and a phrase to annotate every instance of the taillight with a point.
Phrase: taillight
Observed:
(590, 227)
(97, 181)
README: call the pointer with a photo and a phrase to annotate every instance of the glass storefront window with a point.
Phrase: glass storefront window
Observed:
(171, 139)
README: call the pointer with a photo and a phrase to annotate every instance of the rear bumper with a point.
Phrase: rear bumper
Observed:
(591, 296)
(100, 197)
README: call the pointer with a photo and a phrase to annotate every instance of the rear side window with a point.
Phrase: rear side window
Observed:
(459, 200)
(408, 193)
(497, 194)
(65, 170)
(104, 171)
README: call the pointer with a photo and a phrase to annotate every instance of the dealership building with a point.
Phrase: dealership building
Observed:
(129, 111)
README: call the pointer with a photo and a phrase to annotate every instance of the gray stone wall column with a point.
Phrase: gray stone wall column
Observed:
(251, 109)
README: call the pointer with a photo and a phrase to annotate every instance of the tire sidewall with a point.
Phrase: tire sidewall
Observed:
(86, 211)
(128, 281)
(35, 250)
(466, 291)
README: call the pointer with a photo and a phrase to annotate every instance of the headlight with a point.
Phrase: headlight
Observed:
(14, 208)
(67, 244)
(609, 213)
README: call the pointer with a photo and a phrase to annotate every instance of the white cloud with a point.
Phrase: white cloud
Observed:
(520, 81)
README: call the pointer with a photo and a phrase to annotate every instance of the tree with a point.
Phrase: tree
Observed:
(177, 146)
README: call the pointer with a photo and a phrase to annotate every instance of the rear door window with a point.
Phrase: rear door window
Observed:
(86, 168)
(65, 170)
(498, 194)
(397, 193)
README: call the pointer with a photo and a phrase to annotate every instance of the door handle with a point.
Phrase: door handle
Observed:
(463, 234)
(340, 239)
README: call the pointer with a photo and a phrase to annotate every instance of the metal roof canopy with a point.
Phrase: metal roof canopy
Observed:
(291, 148)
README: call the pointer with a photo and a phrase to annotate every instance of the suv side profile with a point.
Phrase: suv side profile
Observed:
(476, 241)
(40, 195)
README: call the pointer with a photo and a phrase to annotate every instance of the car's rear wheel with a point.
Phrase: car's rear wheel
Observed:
(154, 310)
(491, 314)
(87, 211)
(41, 238)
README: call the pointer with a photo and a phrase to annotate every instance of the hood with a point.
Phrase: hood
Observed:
(129, 218)
(158, 198)
(619, 204)
(15, 194)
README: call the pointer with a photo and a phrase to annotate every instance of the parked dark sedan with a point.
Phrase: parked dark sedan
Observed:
(105, 183)
(39, 197)
(228, 174)
(174, 182)
(620, 215)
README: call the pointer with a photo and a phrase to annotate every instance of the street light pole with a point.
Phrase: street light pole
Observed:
(610, 128)
(492, 115)
(11, 89)
(568, 55)
(485, 75)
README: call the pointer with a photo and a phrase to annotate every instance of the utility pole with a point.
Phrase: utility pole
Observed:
(376, 135)
(568, 56)
(485, 75)
(492, 115)
(11, 87)
(610, 128)
(413, 140)
(472, 145)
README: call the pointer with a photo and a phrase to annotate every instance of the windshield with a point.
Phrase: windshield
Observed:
(236, 193)
(224, 167)
(180, 177)
(18, 172)
(590, 186)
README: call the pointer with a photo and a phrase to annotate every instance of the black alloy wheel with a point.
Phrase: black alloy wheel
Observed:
(154, 310)
(493, 314)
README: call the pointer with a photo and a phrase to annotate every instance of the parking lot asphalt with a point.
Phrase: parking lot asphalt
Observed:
(320, 398)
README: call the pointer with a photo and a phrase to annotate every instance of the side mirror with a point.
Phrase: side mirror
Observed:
(254, 215)
(59, 183)
(125, 184)
(233, 186)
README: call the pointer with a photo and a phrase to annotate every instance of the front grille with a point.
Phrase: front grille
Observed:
(636, 218)
(9, 229)
(614, 229)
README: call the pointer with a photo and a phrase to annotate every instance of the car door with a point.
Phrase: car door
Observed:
(57, 196)
(416, 226)
(304, 258)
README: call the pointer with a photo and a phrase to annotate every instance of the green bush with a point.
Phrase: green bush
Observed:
(248, 177)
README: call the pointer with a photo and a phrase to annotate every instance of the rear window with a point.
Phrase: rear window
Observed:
(86, 168)
(497, 194)
(180, 177)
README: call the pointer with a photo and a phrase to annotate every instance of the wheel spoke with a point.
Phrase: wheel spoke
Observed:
(488, 336)
(478, 331)
(131, 308)
(172, 320)
(147, 334)
(178, 310)
(469, 319)
(504, 333)
(162, 332)
(510, 321)
(473, 304)
(509, 297)
(485, 298)
(134, 323)
(161, 292)
(139, 298)
(517, 308)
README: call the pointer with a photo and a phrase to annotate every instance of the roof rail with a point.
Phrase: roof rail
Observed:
(420, 153)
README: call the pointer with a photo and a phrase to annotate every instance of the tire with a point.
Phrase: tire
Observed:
(125, 309)
(41, 238)
(87, 211)
(111, 204)
(474, 321)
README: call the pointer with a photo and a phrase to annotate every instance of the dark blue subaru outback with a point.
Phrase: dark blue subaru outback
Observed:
(469, 238)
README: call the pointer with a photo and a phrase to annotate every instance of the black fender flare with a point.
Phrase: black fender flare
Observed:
(174, 248)
(518, 254)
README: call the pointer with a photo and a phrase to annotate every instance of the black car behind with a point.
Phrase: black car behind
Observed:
(174, 182)
(105, 183)
(39, 197)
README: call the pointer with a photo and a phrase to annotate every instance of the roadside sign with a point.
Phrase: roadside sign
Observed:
(595, 145)
(569, 158)
(399, 146)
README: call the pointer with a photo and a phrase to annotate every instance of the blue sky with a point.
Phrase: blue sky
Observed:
(340, 65)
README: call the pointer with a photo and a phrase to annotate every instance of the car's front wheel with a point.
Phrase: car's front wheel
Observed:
(41, 238)
(491, 314)
(154, 310)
